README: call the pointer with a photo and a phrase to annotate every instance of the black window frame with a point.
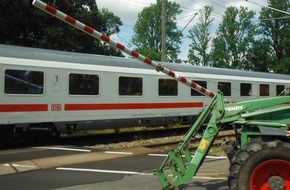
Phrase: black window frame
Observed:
(224, 88)
(130, 86)
(84, 84)
(245, 89)
(264, 89)
(167, 87)
(24, 82)
(279, 89)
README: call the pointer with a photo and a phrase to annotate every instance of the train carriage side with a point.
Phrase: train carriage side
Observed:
(38, 95)
(53, 91)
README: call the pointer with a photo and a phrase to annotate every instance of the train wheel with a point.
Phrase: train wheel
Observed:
(261, 165)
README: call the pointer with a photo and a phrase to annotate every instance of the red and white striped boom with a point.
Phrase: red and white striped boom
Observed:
(87, 29)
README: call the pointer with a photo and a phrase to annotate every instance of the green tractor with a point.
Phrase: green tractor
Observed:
(259, 156)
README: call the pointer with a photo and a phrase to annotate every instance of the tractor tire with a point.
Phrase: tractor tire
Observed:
(261, 165)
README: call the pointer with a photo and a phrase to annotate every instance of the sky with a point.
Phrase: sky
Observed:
(128, 11)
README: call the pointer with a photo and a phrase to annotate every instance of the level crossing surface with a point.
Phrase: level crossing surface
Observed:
(75, 168)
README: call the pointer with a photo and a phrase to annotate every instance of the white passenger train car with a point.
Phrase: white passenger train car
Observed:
(54, 91)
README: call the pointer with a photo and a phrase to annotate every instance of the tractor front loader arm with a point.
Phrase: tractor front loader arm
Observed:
(182, 165)
(180, 162)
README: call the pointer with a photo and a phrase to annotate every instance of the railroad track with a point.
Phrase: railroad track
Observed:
(163, 143)
(158, 138)
(195, 141)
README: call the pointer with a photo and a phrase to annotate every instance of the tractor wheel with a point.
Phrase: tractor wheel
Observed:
(261, 165)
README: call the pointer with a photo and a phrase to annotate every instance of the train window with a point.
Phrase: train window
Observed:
(83, 84)
(130, 86)
(245, 89)
(167, 87)
(225, 88)
(264, 90)
(201, 83)
(279, 89)
(23, 82)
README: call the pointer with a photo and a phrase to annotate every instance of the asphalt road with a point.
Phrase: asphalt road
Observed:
(74, 168)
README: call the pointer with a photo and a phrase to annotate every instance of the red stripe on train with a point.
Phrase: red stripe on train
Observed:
(84, 107)
(23, 107)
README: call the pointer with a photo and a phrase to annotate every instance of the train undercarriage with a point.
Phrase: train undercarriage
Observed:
(50, 132)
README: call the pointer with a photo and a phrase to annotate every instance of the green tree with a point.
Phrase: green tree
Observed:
(275, 26)
(200, 36)
(18, 22)
(56, 35)
(112, 22)
(260, 56)
(147, 31)
(235, 36)
(24, 25)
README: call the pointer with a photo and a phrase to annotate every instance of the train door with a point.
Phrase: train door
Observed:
(56, 85)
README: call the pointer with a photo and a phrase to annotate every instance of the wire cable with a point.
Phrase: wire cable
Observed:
(281, 11)
(170, 42)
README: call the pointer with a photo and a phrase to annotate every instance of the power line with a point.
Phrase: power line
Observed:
(198, 3)
(170, 42)
(265, 19)
(205, 5)
(185, 16)
(218, 4)
(186, 8)
(281, 11)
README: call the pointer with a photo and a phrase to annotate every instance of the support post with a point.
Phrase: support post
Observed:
(163, 43)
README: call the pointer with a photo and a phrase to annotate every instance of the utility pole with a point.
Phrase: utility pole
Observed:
(163, 36)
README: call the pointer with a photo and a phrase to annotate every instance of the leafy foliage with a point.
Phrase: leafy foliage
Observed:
(200, 36)
(147, 37)
(260, 57)
(234, 38)
(275, 26)
(24, 25)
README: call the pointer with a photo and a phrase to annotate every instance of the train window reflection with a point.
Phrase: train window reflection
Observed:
(167, 87)
(130, 86)
(23, 82)
(225, 88)
(245, 89)
(280, 89)
(83, 84)
(201, 83)
(264, 90)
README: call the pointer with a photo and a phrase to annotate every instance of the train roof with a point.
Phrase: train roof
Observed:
(83, 58)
